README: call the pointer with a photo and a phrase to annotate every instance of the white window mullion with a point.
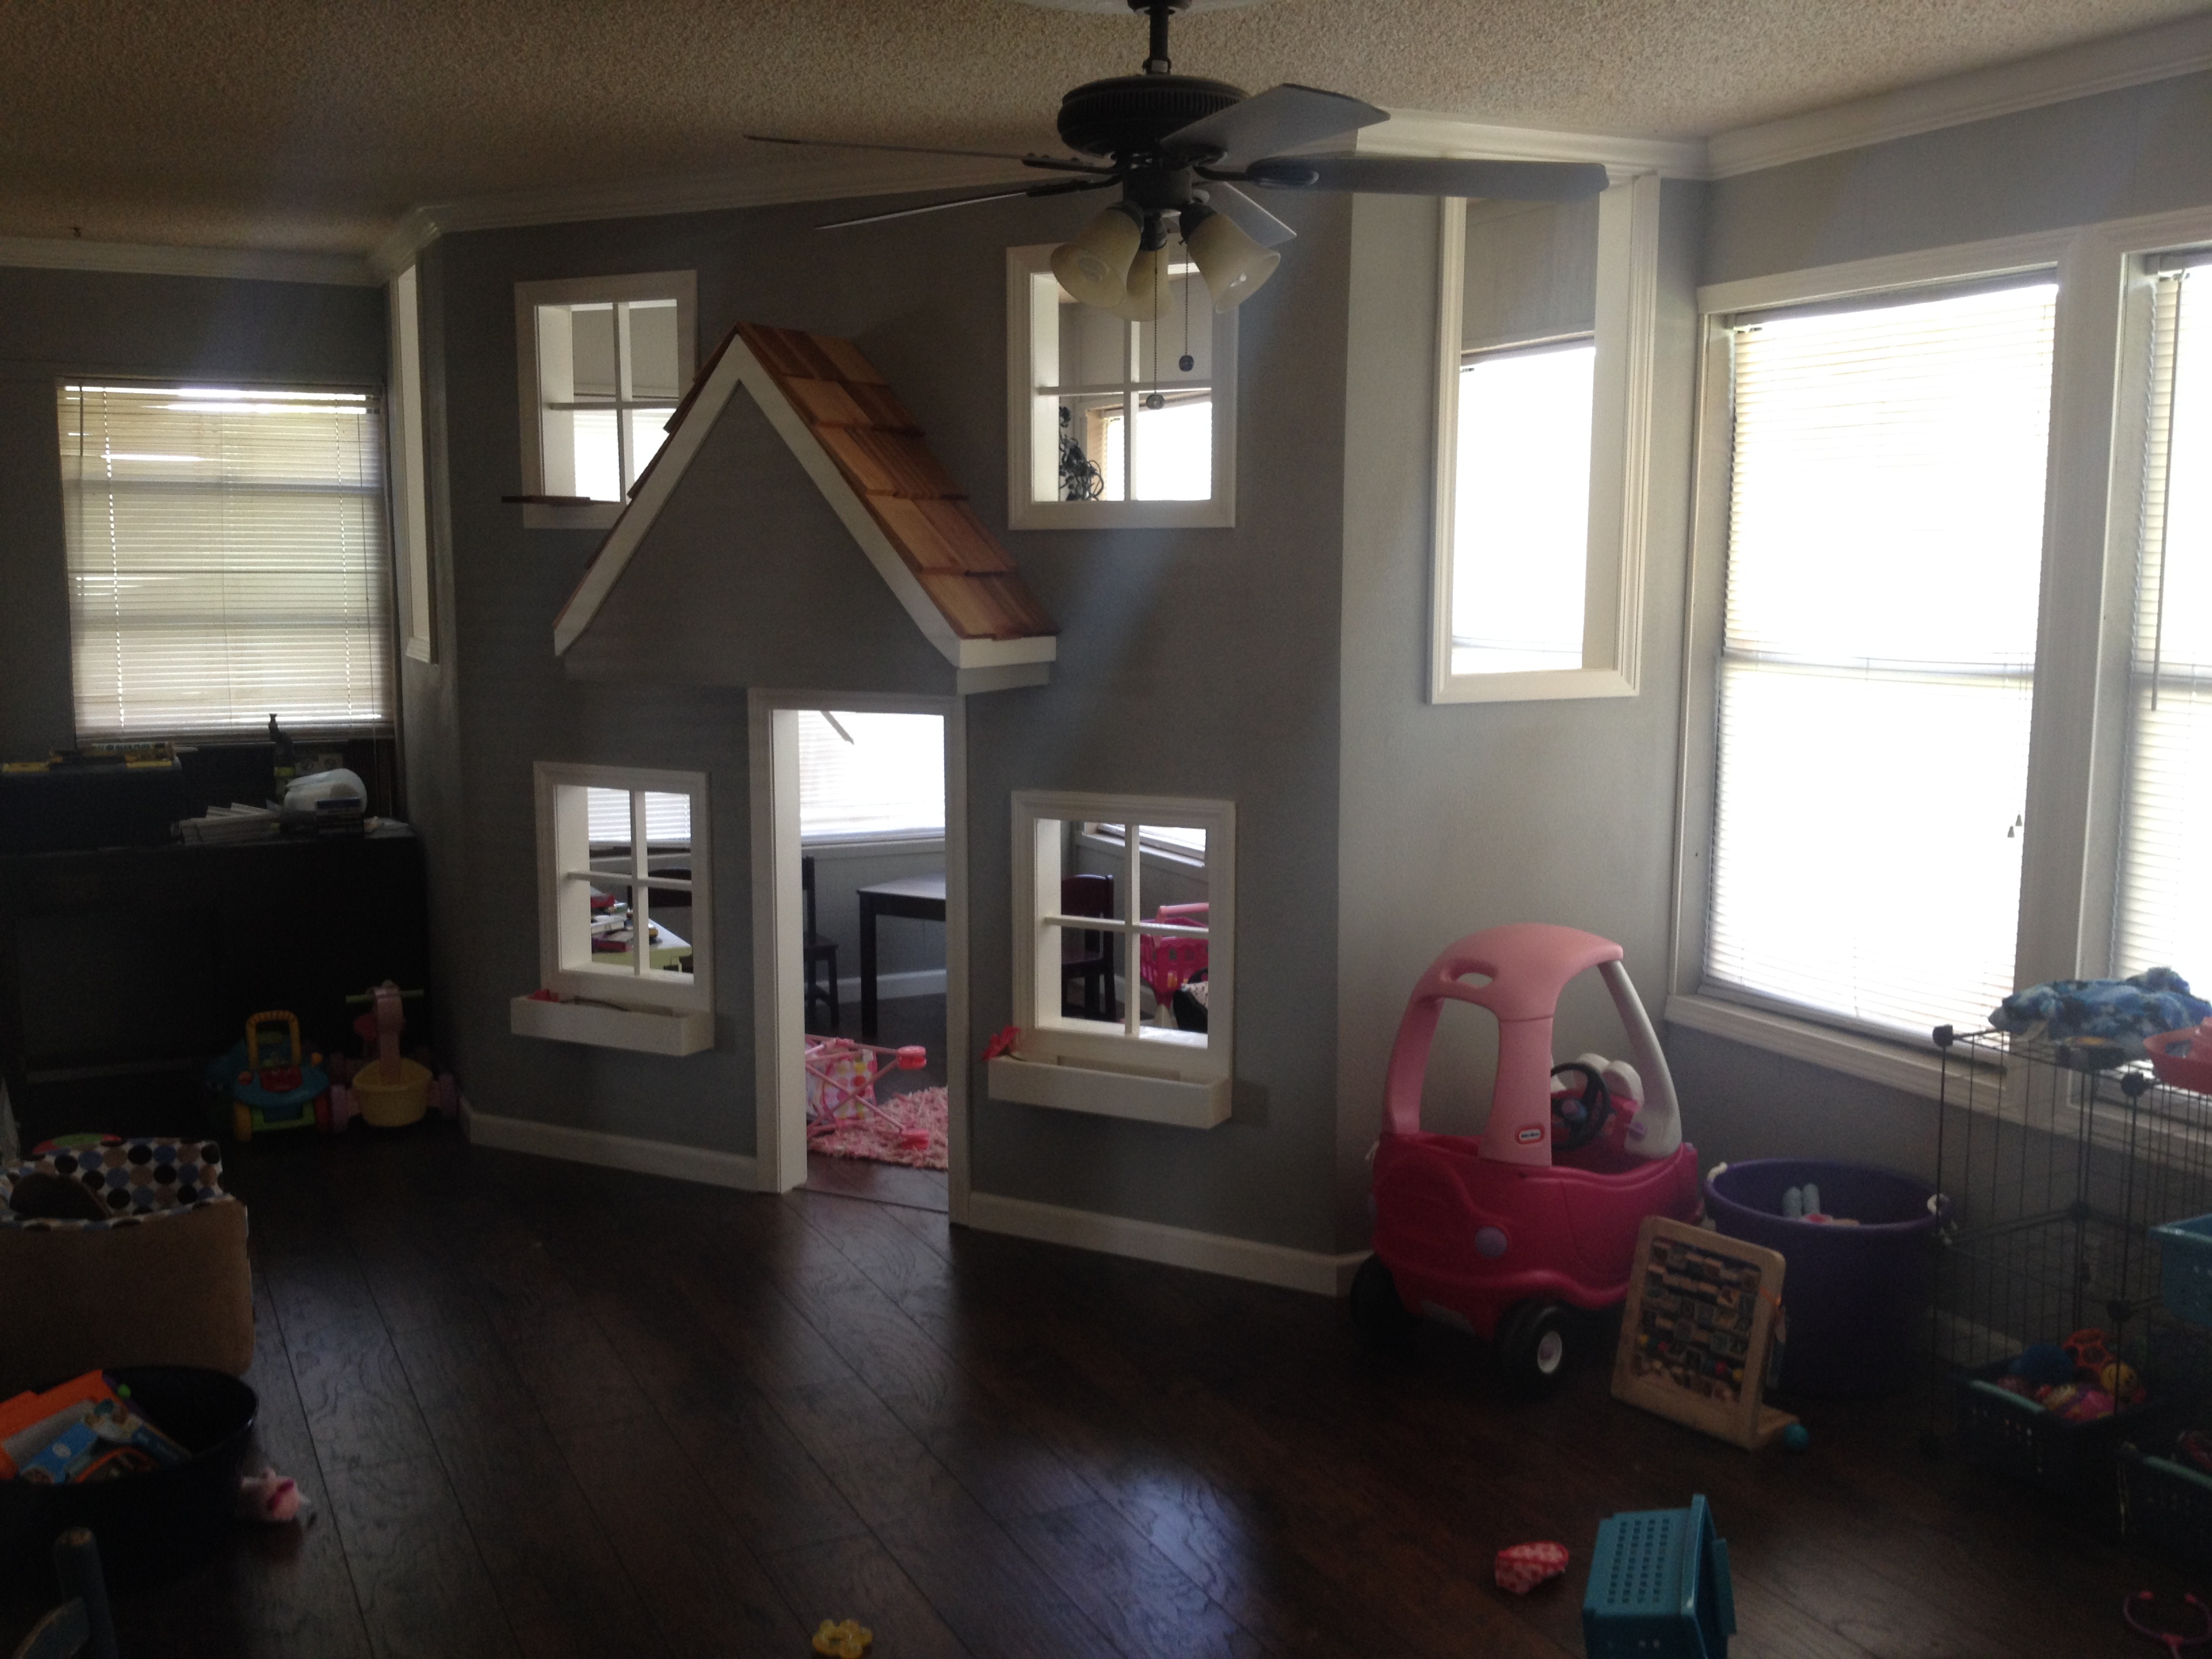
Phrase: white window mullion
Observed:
(2163, 915)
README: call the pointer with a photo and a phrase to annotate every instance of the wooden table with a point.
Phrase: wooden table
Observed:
(921, 897)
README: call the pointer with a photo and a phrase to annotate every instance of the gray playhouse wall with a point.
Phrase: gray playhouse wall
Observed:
(1193, 662)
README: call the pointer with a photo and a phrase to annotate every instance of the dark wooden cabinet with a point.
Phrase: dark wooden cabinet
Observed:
(123, 971)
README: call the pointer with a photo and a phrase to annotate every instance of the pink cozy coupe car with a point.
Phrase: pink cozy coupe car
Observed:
(1506, 1233)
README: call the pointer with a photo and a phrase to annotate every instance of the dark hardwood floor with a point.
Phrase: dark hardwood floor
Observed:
(899, 1021)
(547, 1409)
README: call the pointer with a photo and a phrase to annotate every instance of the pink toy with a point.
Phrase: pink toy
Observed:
(841, 1078)
(1505, 1232)
(270, 1496)
(1521, 1567)
(1168, 962)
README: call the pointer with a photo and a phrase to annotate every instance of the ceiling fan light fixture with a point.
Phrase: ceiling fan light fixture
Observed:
(1149, 291)
(1093, 267)
(1233, 265)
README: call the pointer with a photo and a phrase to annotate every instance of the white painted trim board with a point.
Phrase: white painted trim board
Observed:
(610, 1151)
(1315, 1271)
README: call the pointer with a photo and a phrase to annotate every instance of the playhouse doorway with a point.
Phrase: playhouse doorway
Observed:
(861, 990)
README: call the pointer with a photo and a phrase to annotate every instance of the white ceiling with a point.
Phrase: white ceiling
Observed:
(315, 123)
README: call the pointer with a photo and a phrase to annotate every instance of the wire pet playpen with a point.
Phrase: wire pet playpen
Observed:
(2057, 1164)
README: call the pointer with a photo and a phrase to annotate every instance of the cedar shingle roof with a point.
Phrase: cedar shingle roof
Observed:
(868, 439)
(923, 510)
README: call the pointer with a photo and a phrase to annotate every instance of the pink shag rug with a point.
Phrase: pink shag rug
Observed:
(907, 1129)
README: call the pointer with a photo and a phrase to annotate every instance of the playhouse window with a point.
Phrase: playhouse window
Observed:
(603, 363)
(1126, 958)
(1105, 425)
(625, 908)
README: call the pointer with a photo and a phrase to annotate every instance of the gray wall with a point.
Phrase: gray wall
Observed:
(1461, 816)
(904, 945)
(1196, 662)
(57, 324)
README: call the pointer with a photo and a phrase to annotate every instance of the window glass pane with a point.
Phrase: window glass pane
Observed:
(227, 559)
(668, 820)
(1157, 350)
(1174, 459)
(593, 371)
(1521, 527)
(1090, 461)
(607, 814)
(652, 360)
(870, 775)
(597, 448)
(648, 430)
(1884, 555)
(1091, 343)
(2165, 912)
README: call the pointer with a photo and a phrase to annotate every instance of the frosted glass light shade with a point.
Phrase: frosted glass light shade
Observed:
(1233, 265)
(1095, 266)
(1149, 293)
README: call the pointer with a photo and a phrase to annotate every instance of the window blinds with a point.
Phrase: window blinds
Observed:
(870, 775)
(607, 817)
(226, 560)
(2164, 912)
(1885, 548)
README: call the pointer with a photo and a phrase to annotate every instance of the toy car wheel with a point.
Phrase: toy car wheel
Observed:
(1532, 1348)
(1377, 1308)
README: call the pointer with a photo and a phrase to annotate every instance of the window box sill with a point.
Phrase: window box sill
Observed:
(1896, 1064)
(1110, 1094)
(643, 1030)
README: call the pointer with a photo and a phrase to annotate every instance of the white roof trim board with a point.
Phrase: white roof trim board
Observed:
(737, 366)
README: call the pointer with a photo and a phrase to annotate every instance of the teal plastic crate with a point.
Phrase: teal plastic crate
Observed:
(2185, 1268)
(1659, 1587)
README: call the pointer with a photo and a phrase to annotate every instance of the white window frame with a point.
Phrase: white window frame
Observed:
(564, 857)
(1049, 1036)
(1025, 335)
(1622, 392)
(683, 286)
(2084, 635)
(409, 471)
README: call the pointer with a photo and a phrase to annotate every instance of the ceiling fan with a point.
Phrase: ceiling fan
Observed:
(1178, 146)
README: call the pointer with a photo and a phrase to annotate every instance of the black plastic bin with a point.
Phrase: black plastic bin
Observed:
(147, 1526)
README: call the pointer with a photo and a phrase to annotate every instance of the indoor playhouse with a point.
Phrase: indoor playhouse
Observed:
(1506, 1233)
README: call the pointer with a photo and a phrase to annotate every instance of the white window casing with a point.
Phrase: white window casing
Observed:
(229, 558)
(1622, 341)
(2098, 779)
(1128, 1066)
(635, 853)
(1062, 356)
(410, 482)
(626, 415)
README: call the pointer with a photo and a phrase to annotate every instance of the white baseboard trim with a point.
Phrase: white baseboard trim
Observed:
(890, 988)
(1175, 1247)
(610, 1152)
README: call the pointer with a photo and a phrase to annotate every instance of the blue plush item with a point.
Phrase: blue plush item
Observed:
(2043, 1362)
(2114, 1015)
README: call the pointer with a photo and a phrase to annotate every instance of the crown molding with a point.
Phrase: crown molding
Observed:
(2052, 77)
(150, 259)
(1433, 133)
(827, 178)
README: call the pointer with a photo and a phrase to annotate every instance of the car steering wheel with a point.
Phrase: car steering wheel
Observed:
(1567, 1135)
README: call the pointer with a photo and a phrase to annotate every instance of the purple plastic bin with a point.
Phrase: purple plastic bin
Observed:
(1855, 1295)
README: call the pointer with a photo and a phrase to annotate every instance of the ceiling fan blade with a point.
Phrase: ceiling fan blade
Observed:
(1282, 118)
(1058, 187)
(1420, 175)
(1031, 160)
(1247, 215)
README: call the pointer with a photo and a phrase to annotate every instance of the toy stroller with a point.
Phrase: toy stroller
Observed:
(1504, 1233)
(841, 1083)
